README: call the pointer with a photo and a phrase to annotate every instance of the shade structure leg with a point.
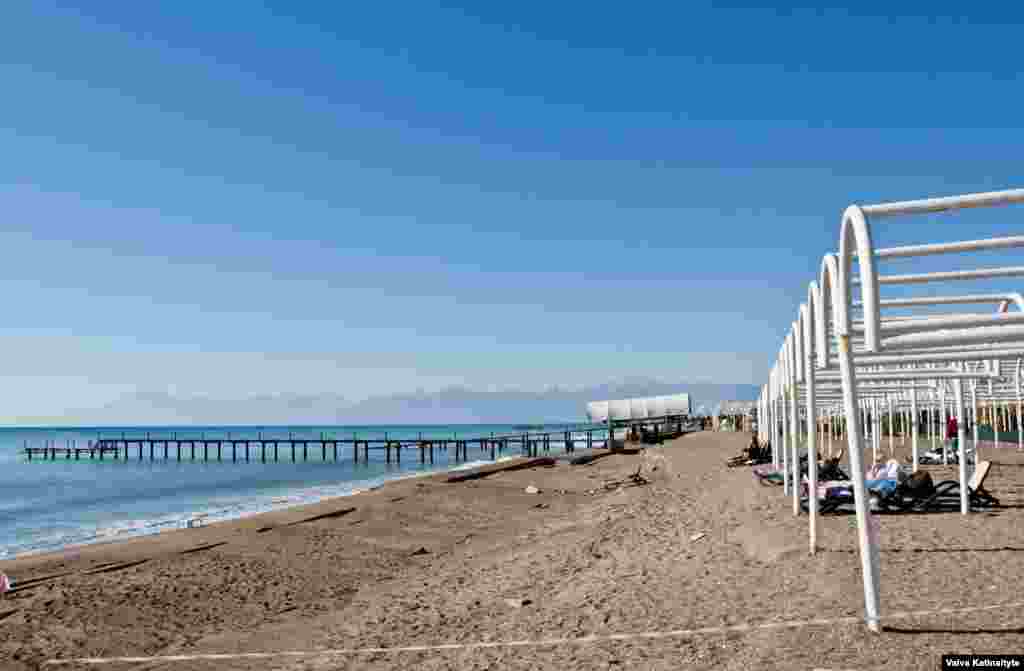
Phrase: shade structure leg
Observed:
(795, 456)
(892, 449)
(812, 453)
(831, 430)
(913, 427)
(876, 427)
(974, 428)
(928, 423)
(864, 420)
(1020, 426)
(958, 386)
(945, 421)
(777, 441)
(868, 549)
(786, 440)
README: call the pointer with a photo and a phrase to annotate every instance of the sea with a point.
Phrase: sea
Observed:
(50, 505)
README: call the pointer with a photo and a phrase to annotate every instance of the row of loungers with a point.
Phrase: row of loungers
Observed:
(888, 492)
(895, 496)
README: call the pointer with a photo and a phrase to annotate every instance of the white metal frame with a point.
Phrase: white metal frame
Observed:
(838, 364)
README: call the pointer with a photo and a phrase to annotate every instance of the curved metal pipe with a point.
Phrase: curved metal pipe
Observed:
(855, 233)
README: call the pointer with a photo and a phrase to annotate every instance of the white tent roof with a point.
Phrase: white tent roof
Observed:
(639, 408)
(677, 404)
(597, 411)
(736, 407)
(657, 407)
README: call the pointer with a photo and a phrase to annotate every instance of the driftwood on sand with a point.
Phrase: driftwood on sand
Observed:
(594, 456)
(516, 465)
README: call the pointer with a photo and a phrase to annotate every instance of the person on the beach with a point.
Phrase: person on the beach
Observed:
(952, 429)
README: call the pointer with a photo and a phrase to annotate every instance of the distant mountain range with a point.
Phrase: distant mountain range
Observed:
(454, 405)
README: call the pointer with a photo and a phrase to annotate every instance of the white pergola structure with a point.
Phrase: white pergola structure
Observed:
(636, 409)
(844, 359)
(736, 407)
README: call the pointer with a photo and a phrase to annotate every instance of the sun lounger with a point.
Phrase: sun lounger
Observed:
(947, 493)
(744, 460)
(834, 494)
(771, 474)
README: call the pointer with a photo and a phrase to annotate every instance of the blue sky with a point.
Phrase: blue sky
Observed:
(245, 198)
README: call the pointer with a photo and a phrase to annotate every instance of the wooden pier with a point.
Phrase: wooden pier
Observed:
(274, 449)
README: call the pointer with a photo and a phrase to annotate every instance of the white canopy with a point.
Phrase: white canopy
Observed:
(597, 411)
(737, 407)
(657, 407)
(639, 408)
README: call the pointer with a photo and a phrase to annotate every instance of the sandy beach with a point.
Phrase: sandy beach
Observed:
(423, 562)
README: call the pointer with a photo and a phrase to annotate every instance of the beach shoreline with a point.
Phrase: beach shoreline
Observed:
(20, 561)
(555, 552)
(50, 504)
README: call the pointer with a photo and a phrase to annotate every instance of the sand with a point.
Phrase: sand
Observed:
(425, 562)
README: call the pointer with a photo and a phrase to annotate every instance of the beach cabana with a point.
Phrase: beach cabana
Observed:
(659, 413)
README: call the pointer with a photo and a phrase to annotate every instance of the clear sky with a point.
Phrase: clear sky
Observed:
(362, 198)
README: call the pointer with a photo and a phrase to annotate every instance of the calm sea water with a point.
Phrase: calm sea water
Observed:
(47, 505)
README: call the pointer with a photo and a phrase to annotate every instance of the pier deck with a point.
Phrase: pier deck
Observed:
(328, 448)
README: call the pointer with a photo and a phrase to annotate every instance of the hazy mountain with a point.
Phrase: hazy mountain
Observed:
(447, 406)
(455, 405)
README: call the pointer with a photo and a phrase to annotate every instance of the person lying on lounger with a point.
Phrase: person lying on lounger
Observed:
(753, 454)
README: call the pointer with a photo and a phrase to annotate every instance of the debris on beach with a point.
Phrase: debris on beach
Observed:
(420, 552)
(542, 505)
(532, 490)
(633, 479)
(518, 603)
(697, 537)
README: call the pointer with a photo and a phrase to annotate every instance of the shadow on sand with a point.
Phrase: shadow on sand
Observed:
(927, 550)
(961, 632)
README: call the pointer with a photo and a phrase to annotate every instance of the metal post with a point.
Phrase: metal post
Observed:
(868, 550)
(784, 433)
(1020, 426)
(870, 415)
(812, 451)
(892, 448)
(945, 421)
(777, 439)
(958, 386)
(974, 427)
(913, 426)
